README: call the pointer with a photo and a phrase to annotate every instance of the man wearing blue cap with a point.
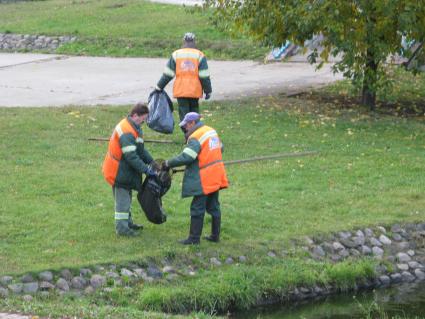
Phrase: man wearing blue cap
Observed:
(189, 66)
(204, 176)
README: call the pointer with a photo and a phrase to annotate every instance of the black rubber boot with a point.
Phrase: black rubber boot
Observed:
(132, 225)
(215, 230)
(196, 224)
(122, 229)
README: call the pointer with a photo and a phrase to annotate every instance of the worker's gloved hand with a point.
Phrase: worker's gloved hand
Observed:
(158, 89)
(150, 172)
(207, 96)
(164, 166)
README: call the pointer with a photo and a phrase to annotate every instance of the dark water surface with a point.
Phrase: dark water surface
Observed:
(405, 301)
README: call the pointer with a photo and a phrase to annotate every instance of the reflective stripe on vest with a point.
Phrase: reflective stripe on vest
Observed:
(115, 152)
(211, 167)
(187, 83)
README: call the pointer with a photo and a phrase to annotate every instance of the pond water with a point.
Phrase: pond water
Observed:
(404, 301)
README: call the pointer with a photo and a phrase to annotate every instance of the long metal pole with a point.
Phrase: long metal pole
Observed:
(104, 139)
(260, 158)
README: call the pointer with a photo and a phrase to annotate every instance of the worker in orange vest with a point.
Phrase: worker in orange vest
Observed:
(203, 178)
(125, 162)
(189, 66)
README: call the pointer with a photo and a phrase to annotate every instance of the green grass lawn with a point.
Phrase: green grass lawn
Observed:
(57, 211)
(123, 28)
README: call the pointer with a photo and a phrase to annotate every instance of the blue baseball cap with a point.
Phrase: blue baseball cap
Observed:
(191, 116)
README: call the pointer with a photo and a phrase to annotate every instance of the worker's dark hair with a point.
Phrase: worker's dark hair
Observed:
(139, 109)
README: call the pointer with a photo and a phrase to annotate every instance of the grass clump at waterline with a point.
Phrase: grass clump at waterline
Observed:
(214, 291)
(244, 286)
(57, 211)
(124, 28)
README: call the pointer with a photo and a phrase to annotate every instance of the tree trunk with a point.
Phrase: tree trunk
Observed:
(369, 82)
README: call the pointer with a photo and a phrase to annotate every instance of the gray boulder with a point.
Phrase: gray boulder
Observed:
(397, 237)
(368, 232)
(414, 264)
(337, 246)
(396, 278)
(112, 274)
(141, 273)
(365, 250)
(407, 276)
(344, 253)
(97, 281)
(46, 276)
(411, 252)
(16, 288)
(154, 272)
(419, 274)
(78, 282)
(89, 290)
(384, 240)
(403, 257)
(375, 242)
(396, 228)
(344, 235)
(348, 243)
(401, 246)
(385, 280)
(66, 274)
(6, 280)
(45, 286)
(403, 267)
(62, 285)
(271, 254)
(376, 251)
(215, 262)
(318, 251)
(354, 252)
(27, 278)
(381, 229)
(30, 287)
(126, 272)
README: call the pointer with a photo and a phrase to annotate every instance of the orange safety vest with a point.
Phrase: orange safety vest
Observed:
(114, 154)
(187, 83)
(211, 167)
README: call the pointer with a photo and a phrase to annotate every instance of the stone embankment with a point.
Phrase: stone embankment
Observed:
(399, 250)
(25, 42)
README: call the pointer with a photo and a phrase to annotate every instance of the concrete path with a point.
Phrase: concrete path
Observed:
(181, 2)
(54, 80)
(15, 316)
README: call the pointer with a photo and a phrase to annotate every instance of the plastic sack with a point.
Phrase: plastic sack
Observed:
(149, 198)
(160, 116)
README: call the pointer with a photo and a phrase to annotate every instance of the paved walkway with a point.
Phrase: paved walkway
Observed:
(55, 80)
(15, 316)
(181, 2)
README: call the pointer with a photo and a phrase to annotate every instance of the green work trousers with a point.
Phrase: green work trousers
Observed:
(123, 198)
(187, 105)
(208, 203)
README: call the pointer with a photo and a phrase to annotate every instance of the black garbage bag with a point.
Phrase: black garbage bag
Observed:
(153, 189)
(160, 116)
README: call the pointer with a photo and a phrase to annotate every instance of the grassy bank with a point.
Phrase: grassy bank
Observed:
(123, 28)
(214, 291)
(58, 212)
